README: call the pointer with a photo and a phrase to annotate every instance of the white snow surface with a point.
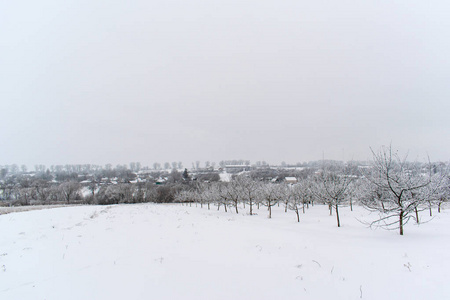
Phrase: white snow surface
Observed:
(151, 251)
(225, 177)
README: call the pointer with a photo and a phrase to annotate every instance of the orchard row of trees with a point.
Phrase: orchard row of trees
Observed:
(395, 188)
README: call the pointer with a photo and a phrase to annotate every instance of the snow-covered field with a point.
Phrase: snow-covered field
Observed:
(151, 251)
(11, 209)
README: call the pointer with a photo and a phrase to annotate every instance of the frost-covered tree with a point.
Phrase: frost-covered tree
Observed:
(286, 195)
(184, 197)
(438, 191)
(221, 189)
(333, 187)
(270, 194)
(234, 193)
(209, 194)
(295, 203)
(42, 190)
(249, 190)
(301, 196)
(395, 186)
(69, 190)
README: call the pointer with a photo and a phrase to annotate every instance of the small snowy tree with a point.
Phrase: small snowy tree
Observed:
(301, 196)
(395, 185)
(270, 194)
(334, 188)
(221, 189)
(234, 193)
(438, 191)
(249, 190)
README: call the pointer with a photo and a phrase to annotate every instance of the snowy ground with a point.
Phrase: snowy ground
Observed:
(11, 209)
(153, 251)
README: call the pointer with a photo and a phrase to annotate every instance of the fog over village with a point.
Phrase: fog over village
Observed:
(224, 149)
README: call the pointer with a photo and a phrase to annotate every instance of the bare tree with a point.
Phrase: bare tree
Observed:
(93, 185)
(333, 188)
(184, 197)
(249, 190)
(396, 184)
(210, 194)
(42, 190)
(286, 195)
(69, 190)
(301, 195)
(24, 195)
(437, 192)
(234, 194)
(222, 192)
(270, 194)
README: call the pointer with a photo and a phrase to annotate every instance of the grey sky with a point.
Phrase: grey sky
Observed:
(119, 81)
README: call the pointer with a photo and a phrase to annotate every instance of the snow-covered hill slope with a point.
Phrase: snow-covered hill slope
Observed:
(151, 251)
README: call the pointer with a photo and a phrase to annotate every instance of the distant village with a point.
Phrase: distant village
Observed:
(134, 183)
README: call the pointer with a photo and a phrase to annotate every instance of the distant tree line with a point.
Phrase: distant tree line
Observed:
(390, 185)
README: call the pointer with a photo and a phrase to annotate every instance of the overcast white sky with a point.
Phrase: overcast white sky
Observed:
(154, 81)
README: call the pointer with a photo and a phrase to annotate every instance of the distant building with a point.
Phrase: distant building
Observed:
(237, 168)
(291, 180)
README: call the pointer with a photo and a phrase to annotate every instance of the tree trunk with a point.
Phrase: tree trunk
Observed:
(225, 207)
(251, 207)
(331, 209)
(270, 211)
(351, 204)
(208, 205)
(417, 214)
(296, 211)
(337, 216)
(400, 222)
(439, 207)
(303, 207)
(236, 206)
